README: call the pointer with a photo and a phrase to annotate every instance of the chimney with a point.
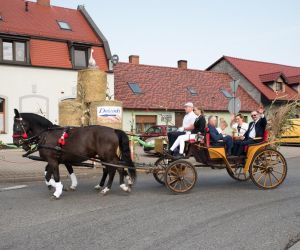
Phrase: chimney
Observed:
(134, 59)
(182, 64)
(44, 2)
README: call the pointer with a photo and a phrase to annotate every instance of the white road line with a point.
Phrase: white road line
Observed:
(13, 188)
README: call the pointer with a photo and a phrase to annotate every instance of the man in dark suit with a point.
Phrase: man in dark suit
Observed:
(255, 132)
(216, 138)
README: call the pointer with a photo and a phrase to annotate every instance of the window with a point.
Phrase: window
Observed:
(135, 88)
(192, 91)
(2, 115)
(278, 86)
(64, 25)
(13, 51)
(80, 57)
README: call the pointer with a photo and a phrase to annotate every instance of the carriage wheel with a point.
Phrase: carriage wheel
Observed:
(238, 173)
(268, 169)
(180, 176)
(162, 164)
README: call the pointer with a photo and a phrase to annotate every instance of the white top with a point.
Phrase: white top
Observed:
(189, 119)
(221, 131)
(243, 129)
(252, 133)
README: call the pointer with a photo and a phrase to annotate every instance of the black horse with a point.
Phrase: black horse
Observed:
(40, 124)
(83, 142)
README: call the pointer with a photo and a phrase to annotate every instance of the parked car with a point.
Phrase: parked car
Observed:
(157, 131)
(292, 136)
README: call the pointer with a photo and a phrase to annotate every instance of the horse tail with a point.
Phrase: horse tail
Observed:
(125, 152)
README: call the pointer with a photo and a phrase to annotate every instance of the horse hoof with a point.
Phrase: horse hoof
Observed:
(72, 188)
(97, 187)
(124, 188)
(105, 191)
(49, 187)
(54, 198)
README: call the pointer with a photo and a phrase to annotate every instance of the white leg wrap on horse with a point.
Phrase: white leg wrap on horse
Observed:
(105, 190)
(97, 187)
(52, 183)
(124, 187)
(129, 180)
(74, 180)
(58, 190)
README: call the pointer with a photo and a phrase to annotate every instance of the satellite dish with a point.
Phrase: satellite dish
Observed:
(115, 59)
(226, 93)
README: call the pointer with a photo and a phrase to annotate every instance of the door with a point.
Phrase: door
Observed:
(144, 122)
(179, 118)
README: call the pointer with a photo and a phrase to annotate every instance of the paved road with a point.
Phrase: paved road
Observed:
(219, 213)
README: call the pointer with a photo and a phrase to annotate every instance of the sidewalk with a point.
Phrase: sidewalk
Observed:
(14, 168)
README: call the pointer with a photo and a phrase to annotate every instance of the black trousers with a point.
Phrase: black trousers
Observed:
(238, 147)
(172, 136)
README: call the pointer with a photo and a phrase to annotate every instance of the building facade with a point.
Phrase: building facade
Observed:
(264, 82)
(42, 47)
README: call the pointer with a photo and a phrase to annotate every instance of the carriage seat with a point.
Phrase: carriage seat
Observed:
(259, 140)
(207, 139)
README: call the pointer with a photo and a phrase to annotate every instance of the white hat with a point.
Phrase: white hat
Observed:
(189, 104)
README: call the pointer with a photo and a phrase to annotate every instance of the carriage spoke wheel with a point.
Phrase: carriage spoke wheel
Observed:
(268, 169)
(180, 176)
(161, 164)
(238, 173)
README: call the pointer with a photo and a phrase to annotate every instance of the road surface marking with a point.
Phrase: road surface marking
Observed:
(13, 188)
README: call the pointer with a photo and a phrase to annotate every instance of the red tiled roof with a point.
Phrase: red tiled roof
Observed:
(294, 79)
(49, 54)
(271, 77)
(42, 21)
(165, 87)
(252, 70)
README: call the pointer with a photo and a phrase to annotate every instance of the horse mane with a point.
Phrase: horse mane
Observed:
(37, 120)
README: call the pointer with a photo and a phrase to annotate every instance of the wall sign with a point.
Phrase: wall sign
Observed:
(109, 114)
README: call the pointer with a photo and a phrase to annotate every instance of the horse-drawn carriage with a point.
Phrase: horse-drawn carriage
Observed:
(261, 163)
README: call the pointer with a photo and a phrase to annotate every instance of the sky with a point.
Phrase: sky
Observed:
(162, 32)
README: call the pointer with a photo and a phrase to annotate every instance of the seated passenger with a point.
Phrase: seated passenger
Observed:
(216, 138)
(187, 123)
(222, 127)
(256, 130)
(238, 125)
(199, 127)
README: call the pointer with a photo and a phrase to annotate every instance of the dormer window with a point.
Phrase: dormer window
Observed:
(64, 25)
(278, 86)
(14, 51)
(192, 91)
(135, 88)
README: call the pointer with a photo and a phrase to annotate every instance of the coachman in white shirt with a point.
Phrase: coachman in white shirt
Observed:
(187, 124)
(255, 132)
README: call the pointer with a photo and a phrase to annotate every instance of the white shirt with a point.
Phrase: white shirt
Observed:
(189, 119)
(252, 133)
(243, 129)
(221, 131)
